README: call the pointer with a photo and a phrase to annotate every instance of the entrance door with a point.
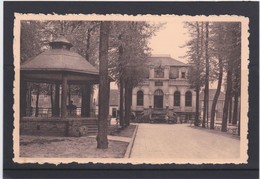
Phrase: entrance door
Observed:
(158, 99)
(114, 112)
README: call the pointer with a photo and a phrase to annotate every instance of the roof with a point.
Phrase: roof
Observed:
(166, 61)
(59, 60)
(212, 94)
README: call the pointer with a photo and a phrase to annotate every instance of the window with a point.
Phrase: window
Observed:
(140, 98)
(159, 72)
(183, 75)
(188, 98)
(177, 98)
(158, 83)
(174, 72)
(114, 110)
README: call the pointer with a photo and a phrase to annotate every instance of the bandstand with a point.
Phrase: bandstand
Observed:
(61, 68)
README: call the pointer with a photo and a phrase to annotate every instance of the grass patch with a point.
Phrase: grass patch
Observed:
(69, 147)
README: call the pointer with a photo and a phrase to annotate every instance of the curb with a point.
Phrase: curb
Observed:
(130, 145)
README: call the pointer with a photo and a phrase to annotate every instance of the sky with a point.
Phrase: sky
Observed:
(169, 39)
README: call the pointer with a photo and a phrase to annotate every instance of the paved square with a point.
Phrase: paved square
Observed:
(183, 141)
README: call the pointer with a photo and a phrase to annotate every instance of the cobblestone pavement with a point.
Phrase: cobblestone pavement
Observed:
(183, 141)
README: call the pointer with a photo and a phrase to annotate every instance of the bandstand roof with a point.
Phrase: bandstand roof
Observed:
(59, 60)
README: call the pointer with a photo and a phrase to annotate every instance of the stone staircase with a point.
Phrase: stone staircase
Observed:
(92, 126)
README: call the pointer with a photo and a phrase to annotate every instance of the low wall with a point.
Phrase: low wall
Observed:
(57, 127)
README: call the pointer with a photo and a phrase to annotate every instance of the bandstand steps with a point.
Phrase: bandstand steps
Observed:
(92, 126)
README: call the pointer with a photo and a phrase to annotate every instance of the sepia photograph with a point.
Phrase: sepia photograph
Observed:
(145, 89)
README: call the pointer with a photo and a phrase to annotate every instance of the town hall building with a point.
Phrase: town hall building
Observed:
(167, 87)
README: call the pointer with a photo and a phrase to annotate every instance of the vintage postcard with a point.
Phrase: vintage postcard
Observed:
(145, 89)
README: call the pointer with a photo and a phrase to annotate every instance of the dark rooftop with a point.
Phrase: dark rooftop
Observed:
(166, 61)
(59, 59)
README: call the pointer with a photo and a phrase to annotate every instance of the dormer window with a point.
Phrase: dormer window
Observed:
(159, 72)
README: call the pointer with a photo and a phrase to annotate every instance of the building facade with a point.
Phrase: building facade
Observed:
(219, 105)
(113, 103)
(166, 87)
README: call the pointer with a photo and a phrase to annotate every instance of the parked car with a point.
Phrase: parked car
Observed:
(173, 117)
(142, 117)
(163, 116)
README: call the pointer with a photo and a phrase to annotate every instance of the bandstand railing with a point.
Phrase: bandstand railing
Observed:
(47, 112)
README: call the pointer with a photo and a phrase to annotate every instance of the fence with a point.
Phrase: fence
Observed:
(47, 112)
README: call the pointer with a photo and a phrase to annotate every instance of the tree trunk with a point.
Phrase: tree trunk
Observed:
(37, 101)
(227, 98)
(196, 122)
(88, 45)
(204, 108)
(121, 105)
(103, 110)
(235, 112)
(121, 83)
(205, 89)
(239, 123)
(207, 72)
(127, 103)
(197, 117)
(215, 99)
(230, 109)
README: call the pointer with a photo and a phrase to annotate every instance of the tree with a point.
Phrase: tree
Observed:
(221, 49)
(206, 89)
(233, 43)
(195, 57)
(31, 39)
(218, 51)
(129, 57)
(237, 70)
(102, 141)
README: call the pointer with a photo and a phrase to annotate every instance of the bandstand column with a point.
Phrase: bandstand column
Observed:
(88, 96)
(85, 106)
(23, 95)
(57, 100)
(64, 97)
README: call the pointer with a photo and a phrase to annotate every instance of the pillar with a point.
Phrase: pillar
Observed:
(57, 100)
(85, 102)
(182, 101)
(64, 97)
(88, 97)
(23, 89)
